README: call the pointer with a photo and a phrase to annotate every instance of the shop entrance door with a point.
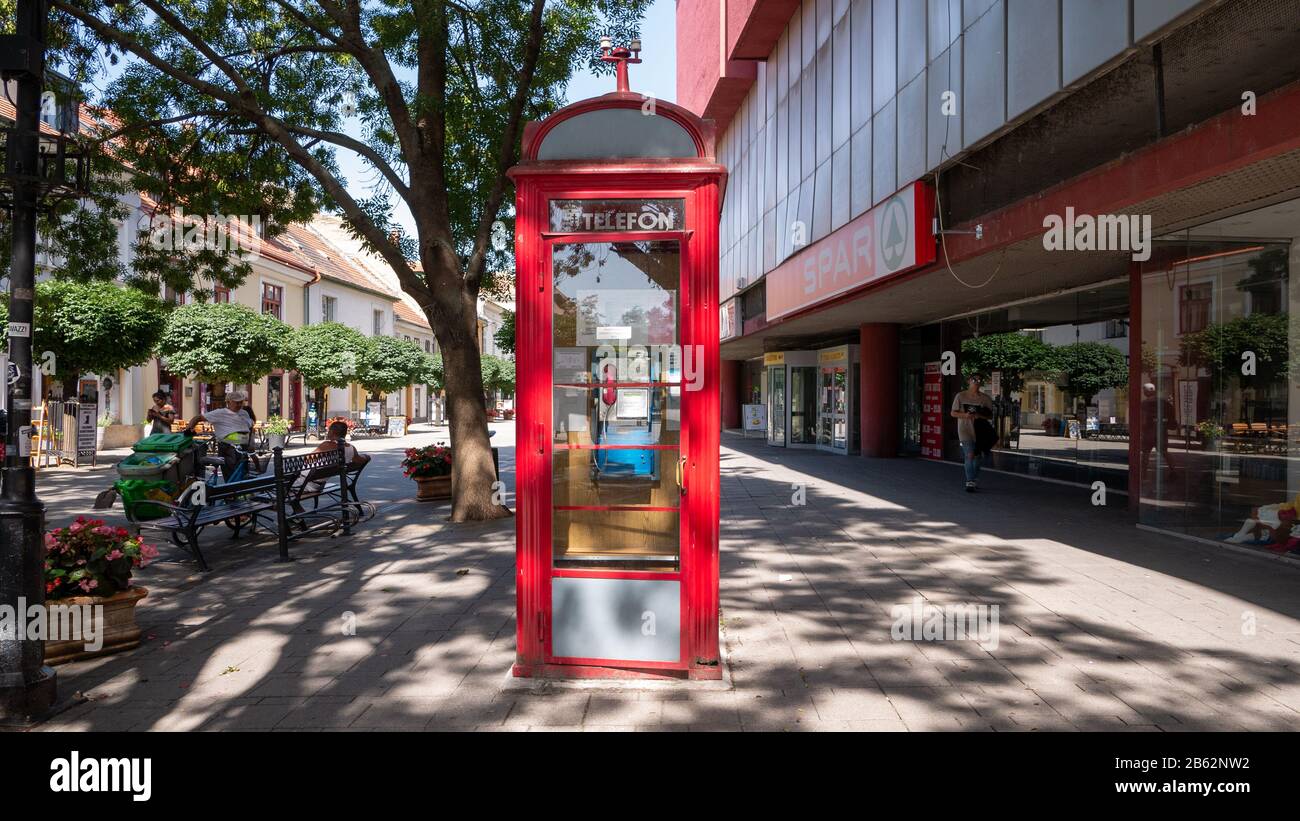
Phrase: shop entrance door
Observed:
(833, 418)
(618, 450)
(776, 405)
(803, 406)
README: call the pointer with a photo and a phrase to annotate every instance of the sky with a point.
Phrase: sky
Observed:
(655, 77)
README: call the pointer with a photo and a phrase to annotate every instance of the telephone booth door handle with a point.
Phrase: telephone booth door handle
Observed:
(541, 439)
(681, 469)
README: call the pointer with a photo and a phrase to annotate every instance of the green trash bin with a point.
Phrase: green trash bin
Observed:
(164, 443)
(134, 491)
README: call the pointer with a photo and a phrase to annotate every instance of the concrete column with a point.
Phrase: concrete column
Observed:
(729, 387)
(878, 384)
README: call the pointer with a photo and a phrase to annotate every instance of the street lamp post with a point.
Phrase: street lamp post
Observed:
(27, 684)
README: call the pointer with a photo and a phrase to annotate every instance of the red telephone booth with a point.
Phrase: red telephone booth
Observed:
(617, 420)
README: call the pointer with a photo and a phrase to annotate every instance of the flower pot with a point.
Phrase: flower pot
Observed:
(119, 630)
(275, 440)
(428, 488)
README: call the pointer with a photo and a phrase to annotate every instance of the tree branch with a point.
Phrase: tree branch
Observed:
(508, 151)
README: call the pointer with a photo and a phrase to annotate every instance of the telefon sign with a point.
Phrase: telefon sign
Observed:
(573, 216)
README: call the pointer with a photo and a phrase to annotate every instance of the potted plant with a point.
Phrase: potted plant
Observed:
(1210, 433)
(430, 467)
(90, 563)
(277, 428)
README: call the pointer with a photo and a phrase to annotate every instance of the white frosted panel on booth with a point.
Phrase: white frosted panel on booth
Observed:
(616, 132)
(625, 619)
(1092, 32)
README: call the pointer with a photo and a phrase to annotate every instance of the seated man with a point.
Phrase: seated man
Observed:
(335, 438)
(231, 427)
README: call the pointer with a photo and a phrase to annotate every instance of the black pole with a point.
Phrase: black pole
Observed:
(27, 685)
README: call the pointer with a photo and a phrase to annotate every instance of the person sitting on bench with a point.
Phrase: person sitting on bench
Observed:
(231, 427)
(335, 438)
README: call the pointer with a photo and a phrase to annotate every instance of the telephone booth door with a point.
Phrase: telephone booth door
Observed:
(618, 450)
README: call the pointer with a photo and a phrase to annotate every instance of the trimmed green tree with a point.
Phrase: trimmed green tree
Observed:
(1013, 354)
(328, 355)
(498, 374)
(391, 364)
(1220, 346)
(92, 328)
(505, 335)
(223, 342)
(1088, 368)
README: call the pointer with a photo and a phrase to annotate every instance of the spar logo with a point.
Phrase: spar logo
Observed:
(125, 775)
(893, 232)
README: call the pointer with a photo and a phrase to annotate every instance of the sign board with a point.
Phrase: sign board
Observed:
(397, 426)
(755, 417)
(727, 320)
(374, 414)
(1187, 402)
(577, 216)
(932, 412)
(87, 416)
(775, 358)
(833, 356)
(889, 239)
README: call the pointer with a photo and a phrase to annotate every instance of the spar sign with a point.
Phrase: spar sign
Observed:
(891, 238)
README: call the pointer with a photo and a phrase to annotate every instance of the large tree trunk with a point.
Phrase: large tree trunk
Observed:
(472, 474)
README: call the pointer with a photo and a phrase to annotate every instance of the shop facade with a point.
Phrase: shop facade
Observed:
(1108, 278)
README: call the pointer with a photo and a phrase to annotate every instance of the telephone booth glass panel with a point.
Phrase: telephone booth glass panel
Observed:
(616, 425)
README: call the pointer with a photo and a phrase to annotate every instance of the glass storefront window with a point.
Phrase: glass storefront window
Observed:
(1220, 432)
(1057, 372)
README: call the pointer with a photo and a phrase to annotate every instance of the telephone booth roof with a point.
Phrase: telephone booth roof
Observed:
(619, 132)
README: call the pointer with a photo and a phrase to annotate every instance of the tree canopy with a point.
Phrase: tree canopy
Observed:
(391, 364)
(221, 342)
(328, 354)
(498, 374)
(1013, 354)
(1087, 368)
(92, 328)
(1220, 345)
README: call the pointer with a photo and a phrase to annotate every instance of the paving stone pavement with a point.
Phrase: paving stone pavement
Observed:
(1102, 626)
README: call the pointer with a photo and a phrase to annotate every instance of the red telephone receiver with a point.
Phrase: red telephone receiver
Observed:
(609, 376)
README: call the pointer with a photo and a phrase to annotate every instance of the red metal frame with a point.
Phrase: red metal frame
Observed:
(699, 181)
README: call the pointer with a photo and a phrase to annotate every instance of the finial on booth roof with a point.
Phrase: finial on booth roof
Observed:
(621, 57)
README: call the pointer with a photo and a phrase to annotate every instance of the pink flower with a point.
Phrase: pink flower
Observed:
(103, 530)
(115, 554)
(88, 584)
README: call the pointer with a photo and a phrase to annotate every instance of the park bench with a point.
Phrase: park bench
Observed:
(235, 504)
(282, 493)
